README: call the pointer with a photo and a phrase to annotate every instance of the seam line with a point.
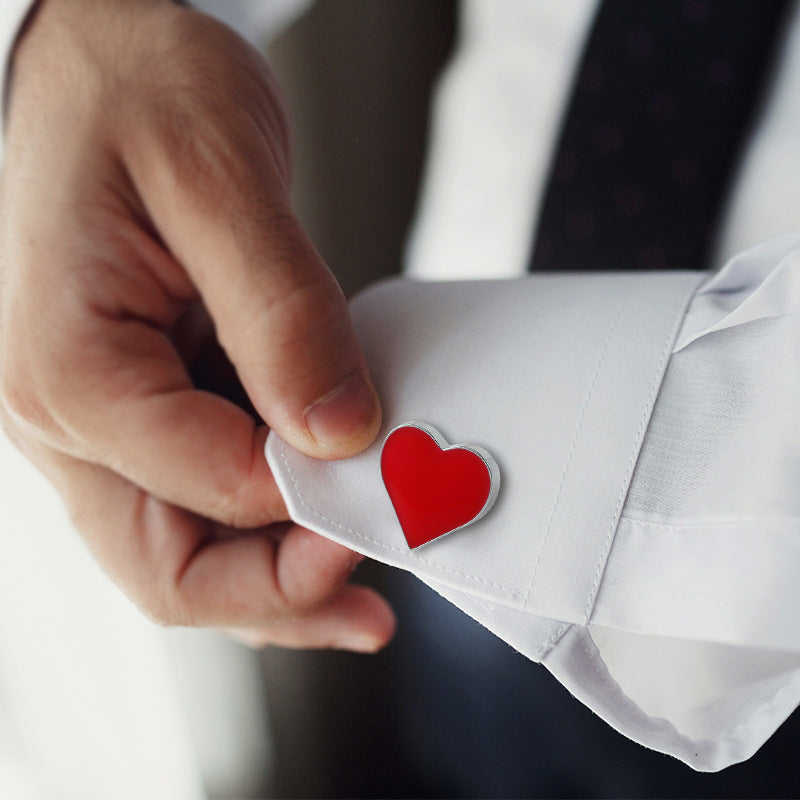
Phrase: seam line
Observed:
(601, 359)
(637, 445)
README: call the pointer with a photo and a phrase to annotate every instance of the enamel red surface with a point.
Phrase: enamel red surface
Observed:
(433, 491)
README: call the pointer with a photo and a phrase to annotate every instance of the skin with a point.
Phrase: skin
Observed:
(160, 306)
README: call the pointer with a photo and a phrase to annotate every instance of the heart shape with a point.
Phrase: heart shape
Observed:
(435, 488)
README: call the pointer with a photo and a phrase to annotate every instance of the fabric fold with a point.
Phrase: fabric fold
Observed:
(644, 546)
(554, 376)
(760, 283)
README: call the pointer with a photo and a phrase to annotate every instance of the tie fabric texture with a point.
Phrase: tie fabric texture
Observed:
(663, 100)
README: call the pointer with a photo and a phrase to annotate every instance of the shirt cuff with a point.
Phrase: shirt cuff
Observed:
(644, 542)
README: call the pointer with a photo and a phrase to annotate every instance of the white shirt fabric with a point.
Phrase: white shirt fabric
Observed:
(711, 494)
(626, 582)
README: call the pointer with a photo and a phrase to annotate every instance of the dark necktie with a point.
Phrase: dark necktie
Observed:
(661, 104)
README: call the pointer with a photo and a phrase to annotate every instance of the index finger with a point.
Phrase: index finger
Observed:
(126, 401)
(284, 584)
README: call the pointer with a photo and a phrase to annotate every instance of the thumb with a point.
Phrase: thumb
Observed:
(279, 312)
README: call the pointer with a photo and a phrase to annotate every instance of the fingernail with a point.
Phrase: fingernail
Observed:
(358, 643)
(343, 413)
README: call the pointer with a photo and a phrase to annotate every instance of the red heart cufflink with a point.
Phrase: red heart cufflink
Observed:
(436, 488)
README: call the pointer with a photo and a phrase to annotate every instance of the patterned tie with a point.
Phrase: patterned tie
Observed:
(661, 105)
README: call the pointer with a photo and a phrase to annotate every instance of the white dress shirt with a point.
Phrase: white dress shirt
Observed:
(705, 671)
(644, 546)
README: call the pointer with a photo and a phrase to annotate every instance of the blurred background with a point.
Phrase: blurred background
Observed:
(357, 78)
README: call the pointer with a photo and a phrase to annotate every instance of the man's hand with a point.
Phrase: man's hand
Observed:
(145, 223)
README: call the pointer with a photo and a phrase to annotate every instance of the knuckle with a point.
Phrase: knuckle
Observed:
(312, 338)
(228, 154)
(154, 582)
(296, 293)
(22, 404)
(163, 609)
(159, 614)
(12, 397)
(299, 266)
(203, 162)
(314, 315)
(229, 513)
(234, 506)
(217, 120)
(265, 598)
(305, 589)
(223, 509)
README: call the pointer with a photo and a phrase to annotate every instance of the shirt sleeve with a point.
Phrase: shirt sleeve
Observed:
(645, 542)
(11, 19)
(255, 20)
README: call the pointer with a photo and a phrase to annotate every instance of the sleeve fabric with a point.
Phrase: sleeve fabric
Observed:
(254, 19)
(645, 545)
(11, 19)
